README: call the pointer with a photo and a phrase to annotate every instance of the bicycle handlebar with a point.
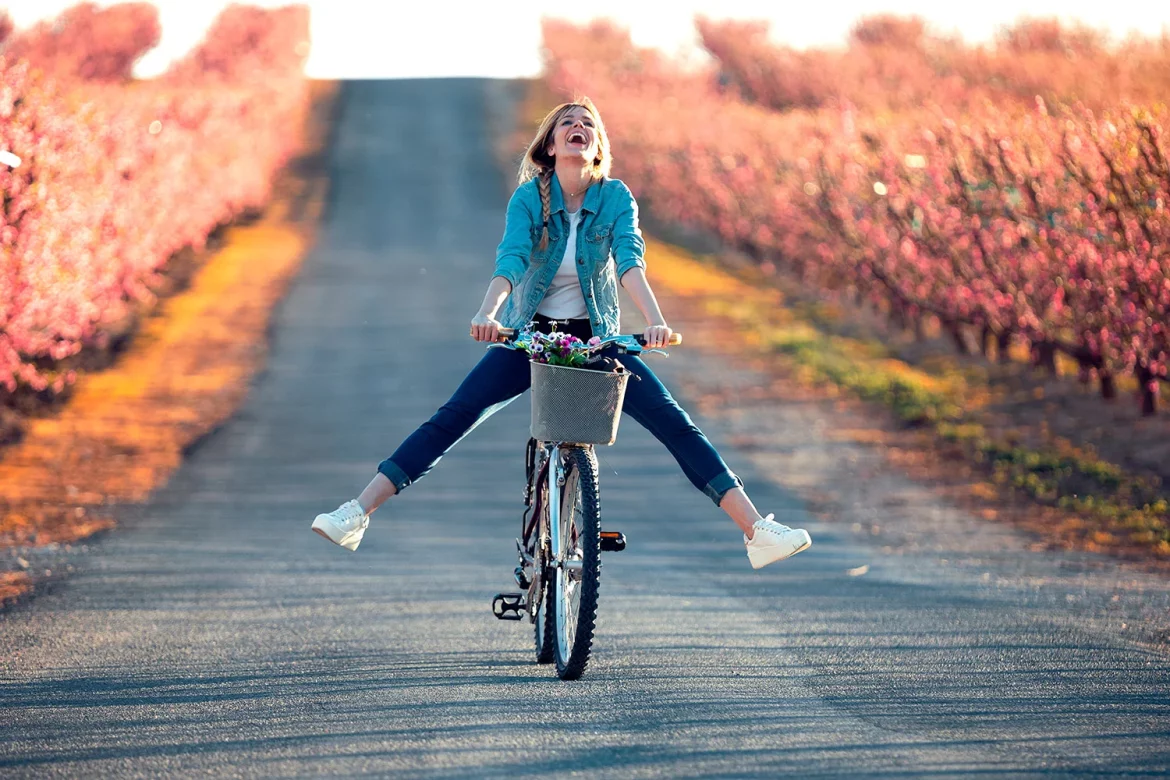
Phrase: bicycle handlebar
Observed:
(675, 338)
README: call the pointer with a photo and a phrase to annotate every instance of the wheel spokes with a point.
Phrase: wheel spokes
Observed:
(570, 558)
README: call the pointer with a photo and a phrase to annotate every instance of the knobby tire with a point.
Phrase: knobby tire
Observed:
(541, 597)
(545, 624)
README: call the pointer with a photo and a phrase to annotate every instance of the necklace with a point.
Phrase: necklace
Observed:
(578, 192)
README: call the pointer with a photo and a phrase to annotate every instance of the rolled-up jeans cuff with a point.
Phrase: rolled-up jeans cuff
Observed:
(394, 473)
(717, 487)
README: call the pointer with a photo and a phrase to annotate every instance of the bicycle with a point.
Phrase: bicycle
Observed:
(561, 542)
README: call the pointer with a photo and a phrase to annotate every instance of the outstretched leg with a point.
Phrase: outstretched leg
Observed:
(649, 402)
(499, 377)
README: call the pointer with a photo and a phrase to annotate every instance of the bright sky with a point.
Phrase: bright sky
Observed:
(378, 39)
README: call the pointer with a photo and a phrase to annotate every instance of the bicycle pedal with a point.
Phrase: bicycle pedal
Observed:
(508, 606)
(612, 541)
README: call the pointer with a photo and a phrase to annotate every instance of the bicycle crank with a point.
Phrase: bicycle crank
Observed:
(508, 606)
(521, 576)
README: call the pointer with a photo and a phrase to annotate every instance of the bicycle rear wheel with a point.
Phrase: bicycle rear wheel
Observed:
(576, 574)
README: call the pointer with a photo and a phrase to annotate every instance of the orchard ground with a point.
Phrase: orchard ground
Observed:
(124, 430)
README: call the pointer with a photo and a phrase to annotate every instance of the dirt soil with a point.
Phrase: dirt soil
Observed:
(865, 476)
(942, 470)
(1027, 403)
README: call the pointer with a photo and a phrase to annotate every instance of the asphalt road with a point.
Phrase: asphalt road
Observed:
(215, 634)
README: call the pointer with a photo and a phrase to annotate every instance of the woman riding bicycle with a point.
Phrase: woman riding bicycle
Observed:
(571, 234)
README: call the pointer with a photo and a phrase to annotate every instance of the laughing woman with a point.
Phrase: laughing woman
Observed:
(571, 236)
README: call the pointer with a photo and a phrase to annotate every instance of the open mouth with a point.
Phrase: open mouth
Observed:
(576, 137)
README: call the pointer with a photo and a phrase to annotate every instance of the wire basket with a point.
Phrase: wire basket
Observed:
(577, 405)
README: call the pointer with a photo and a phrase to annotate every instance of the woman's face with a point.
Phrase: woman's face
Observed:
(575, 136)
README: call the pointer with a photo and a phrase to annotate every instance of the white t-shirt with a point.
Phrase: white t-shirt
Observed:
(564, 300)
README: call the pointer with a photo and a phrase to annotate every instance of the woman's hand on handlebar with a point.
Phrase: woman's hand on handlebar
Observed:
(657, 336)
(485, 328)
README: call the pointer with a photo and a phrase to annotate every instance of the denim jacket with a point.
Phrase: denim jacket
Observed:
(609, 243)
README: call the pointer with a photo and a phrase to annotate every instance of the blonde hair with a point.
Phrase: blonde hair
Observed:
(539, 164)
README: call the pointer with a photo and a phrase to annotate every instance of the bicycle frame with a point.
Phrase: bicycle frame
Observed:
(626, 343)
(559, 577)
(556, 480)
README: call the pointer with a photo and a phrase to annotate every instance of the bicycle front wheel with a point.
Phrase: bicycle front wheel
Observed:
(541, 593)
(577, 564)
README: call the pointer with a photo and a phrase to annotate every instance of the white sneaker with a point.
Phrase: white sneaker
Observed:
(344, 525)
(774, 542)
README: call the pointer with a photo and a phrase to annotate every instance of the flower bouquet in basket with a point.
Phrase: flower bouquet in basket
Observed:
(570, 404)
(558, 349)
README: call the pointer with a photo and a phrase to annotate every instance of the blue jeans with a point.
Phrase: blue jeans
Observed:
(503, 374)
